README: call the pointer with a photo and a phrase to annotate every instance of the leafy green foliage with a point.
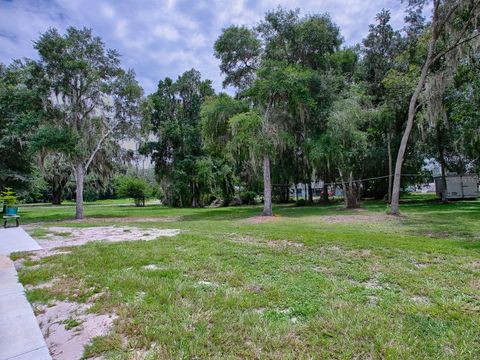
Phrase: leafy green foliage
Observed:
(21, 110)
(174, 117)
(8, 197)
(345, 143)
(215, 114)
(290, 83)
(306, 106)
(247, 133)
(238, 50)
(135, 188)
(91, 101)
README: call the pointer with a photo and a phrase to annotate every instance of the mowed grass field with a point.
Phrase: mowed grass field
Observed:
(314, 282)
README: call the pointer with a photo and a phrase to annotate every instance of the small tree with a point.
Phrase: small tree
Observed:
(8, 198)
(136, 188)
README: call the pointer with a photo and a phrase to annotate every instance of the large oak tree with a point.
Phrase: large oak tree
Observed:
(91, 100)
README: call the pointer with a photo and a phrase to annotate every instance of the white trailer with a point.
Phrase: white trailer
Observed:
(457, 186)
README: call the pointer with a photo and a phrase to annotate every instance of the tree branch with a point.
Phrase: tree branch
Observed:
(438, 56)
(98, 147)
(441, 24)
(458, 41)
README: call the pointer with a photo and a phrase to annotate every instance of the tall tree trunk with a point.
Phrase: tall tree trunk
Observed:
(310, 192)
(352, 198)
(325, 198)
(57, 192)
(395, 204)
(349, 195)
(344, 186)
(194, 200)
(441, 160)
(325, 188)
(79, 172)
(390, 166)
(283, 193)
(267, 187)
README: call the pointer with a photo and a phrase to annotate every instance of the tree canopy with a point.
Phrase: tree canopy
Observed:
(299, 107)
(90, 100)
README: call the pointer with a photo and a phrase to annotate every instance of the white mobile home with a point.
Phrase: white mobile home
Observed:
(457, 186)
(301, 189)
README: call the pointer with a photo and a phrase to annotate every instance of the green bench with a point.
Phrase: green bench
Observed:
(6, 218)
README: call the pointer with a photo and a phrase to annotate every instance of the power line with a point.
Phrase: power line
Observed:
(362, 180)
(375, 178)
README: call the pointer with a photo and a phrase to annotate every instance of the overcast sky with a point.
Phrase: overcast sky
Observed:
(166, 37)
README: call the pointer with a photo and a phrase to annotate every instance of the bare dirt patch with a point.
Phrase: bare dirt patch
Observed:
(362, 253)
(438, 234)
(426, 262)
(422, 300)
(262, 242)
(72, 236)
(40, 254)
(136, 219)
(335, 219)
(45, 285)
(419, 264)
(474, 265)
(255, 288)
(284, 243)
(475, 284)
(373, 283)
(68, 327)
(152, 267)
(245, 239)
(103, 220)
(372, 300)
(261, 219)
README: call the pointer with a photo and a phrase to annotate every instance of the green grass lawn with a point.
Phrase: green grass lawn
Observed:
(315, 282)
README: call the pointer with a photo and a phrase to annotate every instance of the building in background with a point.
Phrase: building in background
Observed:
(457, 186)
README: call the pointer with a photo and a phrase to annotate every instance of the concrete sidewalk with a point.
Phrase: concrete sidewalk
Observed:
(20, 336)
(16, 239)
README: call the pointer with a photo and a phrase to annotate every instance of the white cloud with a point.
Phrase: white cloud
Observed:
(121, 28)
(166, 38)
(108, 11)
(167, 32)
(196, 41)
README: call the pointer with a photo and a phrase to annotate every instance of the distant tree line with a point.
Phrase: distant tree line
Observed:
(305, 107)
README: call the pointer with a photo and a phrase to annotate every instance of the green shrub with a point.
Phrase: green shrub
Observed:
(158, 193)
(136, 188)
(248, 197)
(301, 202)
